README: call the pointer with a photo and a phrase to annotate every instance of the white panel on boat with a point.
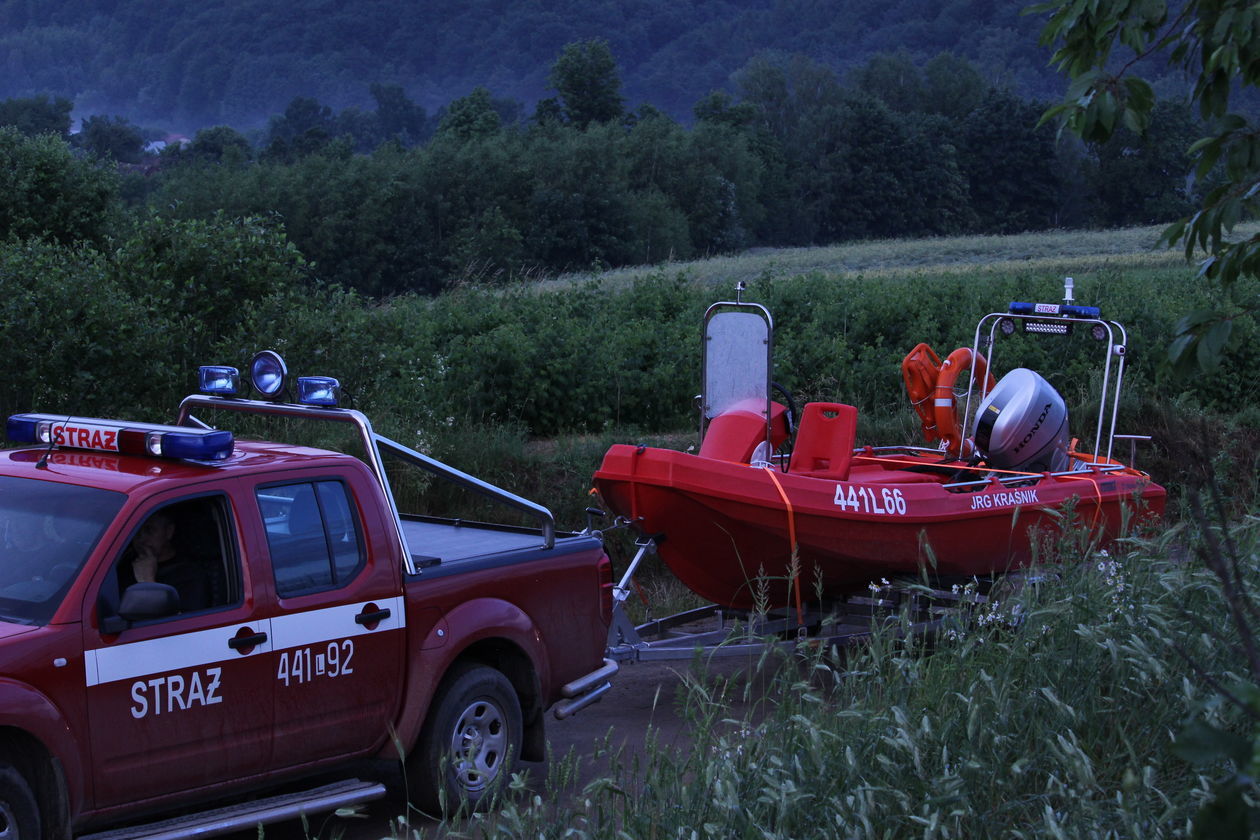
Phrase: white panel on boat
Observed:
(736, 360)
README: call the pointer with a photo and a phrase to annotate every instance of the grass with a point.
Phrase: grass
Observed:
(1050, 714)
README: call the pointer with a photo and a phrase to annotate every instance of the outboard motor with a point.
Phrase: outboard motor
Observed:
(1023, 425)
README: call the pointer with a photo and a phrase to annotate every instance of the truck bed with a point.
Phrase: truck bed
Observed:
(439, 545)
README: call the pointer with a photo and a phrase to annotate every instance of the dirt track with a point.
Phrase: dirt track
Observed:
(644, 696)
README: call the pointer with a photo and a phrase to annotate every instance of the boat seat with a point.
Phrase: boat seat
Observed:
(824, 441)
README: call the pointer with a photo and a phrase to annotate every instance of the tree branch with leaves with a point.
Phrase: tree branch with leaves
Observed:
(1101, 45)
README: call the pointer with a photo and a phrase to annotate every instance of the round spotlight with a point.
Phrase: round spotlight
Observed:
(1007, 326)
(268, 373)
(1098, 332)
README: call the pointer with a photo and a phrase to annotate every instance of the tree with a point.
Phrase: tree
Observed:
(37, 115)
(1010, 164)
(303, 129)
(953, 86)
(1141, 178)
(719, 108)
(111, 138)
(585, 76)
(1100, 45)
(45, 191)
(894, 79)
(470, 117)
(220, 144)
(400, 119)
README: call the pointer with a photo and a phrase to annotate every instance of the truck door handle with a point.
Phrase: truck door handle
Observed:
(371, 617)
(238, 642)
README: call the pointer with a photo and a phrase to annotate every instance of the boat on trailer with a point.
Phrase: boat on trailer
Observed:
(746, 523)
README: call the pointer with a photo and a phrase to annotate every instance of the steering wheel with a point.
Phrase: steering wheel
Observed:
(792, 412)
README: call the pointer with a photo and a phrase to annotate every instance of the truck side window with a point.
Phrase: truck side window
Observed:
(313, 536)
(186, 545)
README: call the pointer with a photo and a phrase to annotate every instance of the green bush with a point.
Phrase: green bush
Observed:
(46, 191)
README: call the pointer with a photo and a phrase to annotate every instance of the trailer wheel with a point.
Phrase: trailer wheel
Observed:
(19, 816)
(470, 741)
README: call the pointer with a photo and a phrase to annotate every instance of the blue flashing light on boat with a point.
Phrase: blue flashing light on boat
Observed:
(219, 380)
(1069, 310)
(318, 390)
(116, 436)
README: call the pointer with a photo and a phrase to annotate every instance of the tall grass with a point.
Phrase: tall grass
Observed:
(1049, 713)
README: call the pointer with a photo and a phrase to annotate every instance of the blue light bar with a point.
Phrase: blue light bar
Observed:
(1066, 309)
(194, 445)
(20, 429)
(318, 390)
(219, 380)
(117, 436)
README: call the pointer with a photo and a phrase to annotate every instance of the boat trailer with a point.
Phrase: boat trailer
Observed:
(907, 608)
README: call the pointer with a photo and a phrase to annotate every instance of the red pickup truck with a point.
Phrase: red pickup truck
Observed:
(189, 622)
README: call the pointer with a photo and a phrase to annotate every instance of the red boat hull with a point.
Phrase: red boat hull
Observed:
(726, 529)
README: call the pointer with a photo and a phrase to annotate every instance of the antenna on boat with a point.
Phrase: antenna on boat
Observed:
(1068, 284)
(740, 288)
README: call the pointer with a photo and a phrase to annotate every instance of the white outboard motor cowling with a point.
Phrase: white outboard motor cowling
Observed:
(1023, 425)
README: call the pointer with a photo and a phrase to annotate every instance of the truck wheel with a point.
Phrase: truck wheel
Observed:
(470, 742)
(19, 816)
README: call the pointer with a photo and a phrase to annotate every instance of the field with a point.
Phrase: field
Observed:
(1050, 713)
(1052, 252)
(1060, 709)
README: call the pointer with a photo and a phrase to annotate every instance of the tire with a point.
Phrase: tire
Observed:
(469, 744)
(19, 815)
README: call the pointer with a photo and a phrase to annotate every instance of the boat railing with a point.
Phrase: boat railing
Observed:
(1014, 479)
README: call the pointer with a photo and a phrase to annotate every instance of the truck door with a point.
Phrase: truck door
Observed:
(338, 624)
(180, 700)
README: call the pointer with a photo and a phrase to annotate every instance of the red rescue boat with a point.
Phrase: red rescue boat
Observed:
(745, 525)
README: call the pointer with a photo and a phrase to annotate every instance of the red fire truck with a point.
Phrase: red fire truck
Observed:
(189, 621)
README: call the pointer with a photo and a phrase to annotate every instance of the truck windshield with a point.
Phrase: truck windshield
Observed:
(47, 531)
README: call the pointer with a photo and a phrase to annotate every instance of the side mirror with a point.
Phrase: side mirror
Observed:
(147, 601)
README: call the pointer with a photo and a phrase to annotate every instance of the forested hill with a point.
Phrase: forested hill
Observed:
(187, 64)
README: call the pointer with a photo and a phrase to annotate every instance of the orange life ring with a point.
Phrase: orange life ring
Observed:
(943, 403)
(919, 370)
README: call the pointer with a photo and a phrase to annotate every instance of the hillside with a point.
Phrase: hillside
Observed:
(186, 65)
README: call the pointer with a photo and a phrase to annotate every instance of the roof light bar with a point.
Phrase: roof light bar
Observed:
(116, 436)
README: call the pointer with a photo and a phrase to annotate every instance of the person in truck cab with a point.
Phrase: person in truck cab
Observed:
(153, 557)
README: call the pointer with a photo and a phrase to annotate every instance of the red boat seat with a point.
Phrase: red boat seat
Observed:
(824, 441)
